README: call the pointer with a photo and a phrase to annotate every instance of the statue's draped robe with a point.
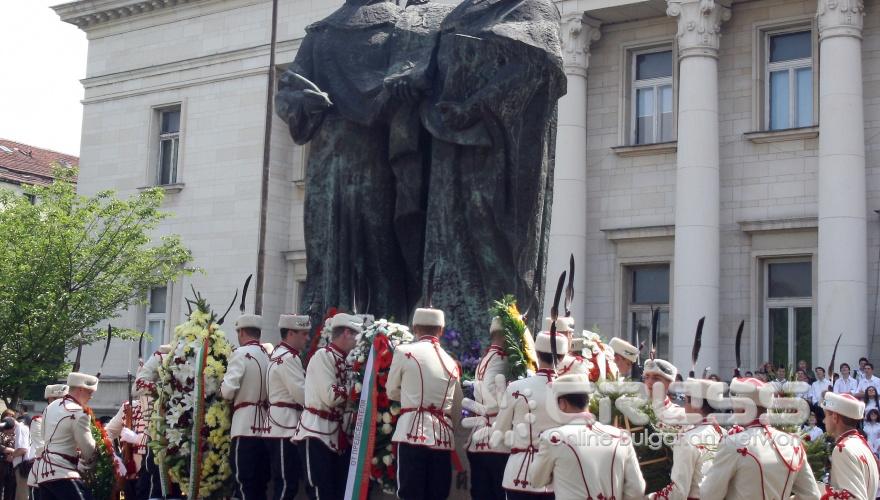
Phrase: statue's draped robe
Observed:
(491, 184)
(357, 222)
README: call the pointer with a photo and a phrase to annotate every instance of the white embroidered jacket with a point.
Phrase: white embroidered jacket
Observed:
(759, 463)
(853, 468)
(581, 461)
(521, 420)
(286, 381)
(326, 395)
(245, 386)
(423, 378)
(491, 364)
(68, 442)
(692, 457)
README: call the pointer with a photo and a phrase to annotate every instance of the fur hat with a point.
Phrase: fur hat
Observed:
(84, 380)
(562, 324)
(249, 321)
(294, 322)
(844, 404)
(428, 317)
(496, 326)
(757, 390)
(624, 349)
(55, 391)
(570, 384)
(347, 321)
(661, 367)
(164, 349)
(543, 343)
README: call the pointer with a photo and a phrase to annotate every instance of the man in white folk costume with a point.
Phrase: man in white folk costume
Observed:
(582, 458)
(423, 378)
(573, 362)
(244, 385)
(853, 464)
(523, 416)
(486, 463)
(286, 382)
(51, 393)
(625, 356)
(323, 445)
(758, 461)
(694, 448)
(149, 484)
(68, 442)
(658, 375)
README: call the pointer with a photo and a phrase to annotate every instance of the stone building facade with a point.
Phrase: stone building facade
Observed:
(715, 160)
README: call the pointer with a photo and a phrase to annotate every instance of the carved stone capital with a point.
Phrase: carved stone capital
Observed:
(699, 25)
(577, 32)
(840, 18)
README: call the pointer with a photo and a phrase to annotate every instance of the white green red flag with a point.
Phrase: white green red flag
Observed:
(357, 486)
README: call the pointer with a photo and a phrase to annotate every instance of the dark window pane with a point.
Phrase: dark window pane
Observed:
(641, 331)
(654, 65)
(790, 46)
(157, 299)
(779, 336)
(803, 334)
(170, 121)
(790, 279)
(650, 285)
(166, 158)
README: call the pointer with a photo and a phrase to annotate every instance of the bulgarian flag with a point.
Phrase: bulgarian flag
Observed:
(357, 486)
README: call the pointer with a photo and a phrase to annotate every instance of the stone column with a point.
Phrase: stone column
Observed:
(697, 192)
(568, 227)
(843, 260)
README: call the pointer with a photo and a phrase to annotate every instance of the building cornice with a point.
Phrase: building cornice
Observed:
(89, 13)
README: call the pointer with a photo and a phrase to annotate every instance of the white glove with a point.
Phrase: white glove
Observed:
(473, 407)
(482, 433)
(121, 471)
(129, 436)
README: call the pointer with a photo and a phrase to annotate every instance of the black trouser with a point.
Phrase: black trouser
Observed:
(64, 489)
(286, 469)
(149, 485)
(423, 473)
(250, 461)
(517, 495)
(326, 471)
(487, 474)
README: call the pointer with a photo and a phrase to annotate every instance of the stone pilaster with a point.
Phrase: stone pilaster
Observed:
(697, 268)
(843, 259)
(568, 228)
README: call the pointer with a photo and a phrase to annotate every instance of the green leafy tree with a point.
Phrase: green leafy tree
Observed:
(67, 263)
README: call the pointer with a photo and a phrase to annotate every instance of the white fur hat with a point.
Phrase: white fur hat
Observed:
(55, 391)
(249, 321)
(624, 349)
(757, 390)
(496, 326)
(347, 321)
(570, 384)
(164, 349)
(562, 324)
(704, 389)
(428, 317)
(661, 367)
(542, 343)
(84, 380)
(844, 404)
(268, 347)
(294, 322)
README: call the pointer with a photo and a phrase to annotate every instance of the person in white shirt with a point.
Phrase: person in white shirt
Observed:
(860, 373)
(818, 388)
(868, 380)
(871, 399)
(854, 472)
(18, 454)
(845, 384)
(811, 431)
(871, 427)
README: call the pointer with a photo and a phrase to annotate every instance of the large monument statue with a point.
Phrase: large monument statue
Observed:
(432, 131)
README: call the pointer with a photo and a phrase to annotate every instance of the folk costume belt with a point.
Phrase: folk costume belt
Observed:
(433, 410)
(333, 416)
(245, 404)
(282, 404)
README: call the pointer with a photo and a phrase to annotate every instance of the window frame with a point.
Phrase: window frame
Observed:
(655, 84)
(791, 303)
(155, 138)
(791, 66)
(760, 56)
(151, 316)
(629, 307)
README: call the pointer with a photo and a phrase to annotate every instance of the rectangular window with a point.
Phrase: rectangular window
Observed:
(788, 309)
(652, 96)
(647, 289)
(157, 300)
(789, 77)
(169, 145)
